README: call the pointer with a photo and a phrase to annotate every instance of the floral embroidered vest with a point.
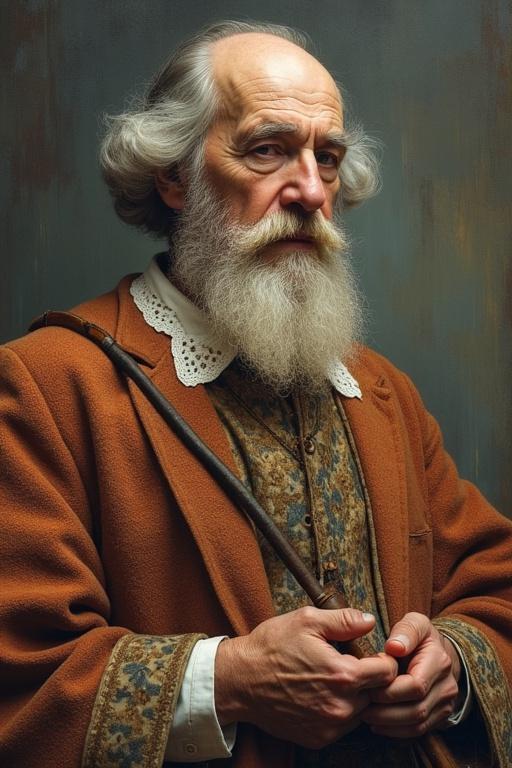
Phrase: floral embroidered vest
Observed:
(294, 453)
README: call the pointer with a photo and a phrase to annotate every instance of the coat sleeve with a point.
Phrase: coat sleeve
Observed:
(472, 588)
(74, 690)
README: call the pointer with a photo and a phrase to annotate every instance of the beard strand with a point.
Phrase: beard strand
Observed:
(288, 319)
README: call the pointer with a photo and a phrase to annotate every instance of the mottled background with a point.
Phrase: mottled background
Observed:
(431, 79)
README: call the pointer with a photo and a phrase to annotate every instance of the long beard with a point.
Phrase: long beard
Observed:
(289, 317)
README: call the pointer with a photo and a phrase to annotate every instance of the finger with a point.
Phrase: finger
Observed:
(342, 624)
(376, 671)
(356, 675)
(401, 689)
(442, 695)
(405, 713)
(407, 634)
(412, 730)
(414, 685)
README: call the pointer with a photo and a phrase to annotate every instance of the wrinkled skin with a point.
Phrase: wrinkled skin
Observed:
(288, 680)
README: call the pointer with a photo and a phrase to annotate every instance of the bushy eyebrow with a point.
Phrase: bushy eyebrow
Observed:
(269, 130)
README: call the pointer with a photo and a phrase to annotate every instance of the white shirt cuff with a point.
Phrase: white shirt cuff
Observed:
(195, 734)
(457, 717)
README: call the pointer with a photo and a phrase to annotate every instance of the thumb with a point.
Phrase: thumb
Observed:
(407, 634)
(344, 624)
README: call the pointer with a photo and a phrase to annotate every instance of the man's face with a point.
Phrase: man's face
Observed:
(278, 140)
(255, 246)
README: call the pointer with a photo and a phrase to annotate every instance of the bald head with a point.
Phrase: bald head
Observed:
(269, 68)
(264, 82)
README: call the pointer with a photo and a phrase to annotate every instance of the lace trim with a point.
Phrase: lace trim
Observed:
(200, 359)
(343, 381)
(197, 360)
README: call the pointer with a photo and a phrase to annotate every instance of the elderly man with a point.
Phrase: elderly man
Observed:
(143, 618)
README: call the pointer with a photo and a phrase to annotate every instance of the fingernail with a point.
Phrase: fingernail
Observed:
(368, 616)
(402, 639)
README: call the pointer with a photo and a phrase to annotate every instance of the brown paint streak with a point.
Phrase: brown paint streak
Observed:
(497, 49)
(463, 224)
(497, 46)
(34, 60)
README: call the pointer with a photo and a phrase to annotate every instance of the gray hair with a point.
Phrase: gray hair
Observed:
(167, 128)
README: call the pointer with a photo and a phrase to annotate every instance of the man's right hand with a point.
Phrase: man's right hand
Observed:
(288, 680)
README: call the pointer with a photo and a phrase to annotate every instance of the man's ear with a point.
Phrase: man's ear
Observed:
(170, 188)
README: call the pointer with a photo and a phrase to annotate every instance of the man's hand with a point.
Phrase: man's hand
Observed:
(285, 678)
(423, 697)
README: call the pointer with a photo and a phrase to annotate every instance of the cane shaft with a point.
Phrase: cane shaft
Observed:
(234, 489)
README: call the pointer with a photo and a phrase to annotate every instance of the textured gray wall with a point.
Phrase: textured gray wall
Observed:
(432, 80)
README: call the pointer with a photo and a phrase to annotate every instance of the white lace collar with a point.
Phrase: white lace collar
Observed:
(199, 357)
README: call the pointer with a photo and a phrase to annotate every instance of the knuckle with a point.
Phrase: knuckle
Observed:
(452, 691)
(346, 678)
(389, 675)
(415, 624)
(307, 614)
(445, 662)
(420, 688)
(420, 714)
(351, 615)
(335, 710)
(446, 711)
(415, 619)
(421, 728)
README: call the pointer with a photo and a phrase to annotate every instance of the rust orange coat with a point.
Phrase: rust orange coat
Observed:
(109, 525)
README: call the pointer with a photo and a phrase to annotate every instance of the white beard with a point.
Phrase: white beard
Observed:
(289, 318)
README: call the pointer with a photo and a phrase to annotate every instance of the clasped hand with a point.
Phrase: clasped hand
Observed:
(424, 696)
(287, 679)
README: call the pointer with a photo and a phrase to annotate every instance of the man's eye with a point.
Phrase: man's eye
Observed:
(328, 159)
(266, 150)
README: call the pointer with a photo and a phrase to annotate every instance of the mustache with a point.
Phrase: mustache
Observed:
(288, 225)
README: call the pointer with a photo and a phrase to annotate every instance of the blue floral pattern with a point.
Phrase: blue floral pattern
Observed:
(488, 682)
(136, 701)
(318, 503)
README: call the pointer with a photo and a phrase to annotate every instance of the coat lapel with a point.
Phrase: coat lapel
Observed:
(376, 431)
(222, 533)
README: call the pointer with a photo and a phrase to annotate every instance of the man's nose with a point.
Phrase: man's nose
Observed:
(304, 185)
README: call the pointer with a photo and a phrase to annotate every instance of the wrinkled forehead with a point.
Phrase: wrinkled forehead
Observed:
(262, 75)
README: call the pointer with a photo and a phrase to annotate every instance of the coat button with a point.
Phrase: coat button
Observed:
(309, 445)
(190, 749)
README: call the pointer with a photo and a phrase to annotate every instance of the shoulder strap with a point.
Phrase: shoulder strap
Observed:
(73, 323)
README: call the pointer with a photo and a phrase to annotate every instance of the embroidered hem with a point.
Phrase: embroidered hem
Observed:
(136, 699)
(488, 681)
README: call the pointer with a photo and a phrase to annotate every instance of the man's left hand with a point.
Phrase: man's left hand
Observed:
(423, 697)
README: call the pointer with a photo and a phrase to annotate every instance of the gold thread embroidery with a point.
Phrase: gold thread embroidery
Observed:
(135, 703)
